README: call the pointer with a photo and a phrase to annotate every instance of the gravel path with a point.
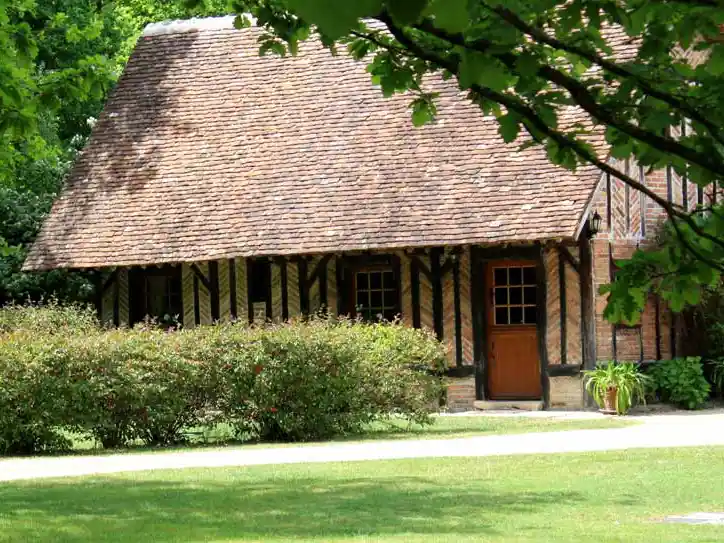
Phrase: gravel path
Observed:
(668, 430)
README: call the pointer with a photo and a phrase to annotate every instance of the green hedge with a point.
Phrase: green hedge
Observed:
(59, 372)
(680, 381)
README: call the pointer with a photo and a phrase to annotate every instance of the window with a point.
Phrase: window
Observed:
(156, 294)
(376, 294)
(260, 280)
(515, 295)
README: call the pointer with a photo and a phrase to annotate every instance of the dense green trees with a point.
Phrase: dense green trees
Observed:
(58, 60)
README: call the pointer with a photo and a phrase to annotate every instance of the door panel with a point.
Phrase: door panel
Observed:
(513, 360)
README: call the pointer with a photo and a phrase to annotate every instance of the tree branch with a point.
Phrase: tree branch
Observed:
(514, 104)
(583, 97)
(542, 37)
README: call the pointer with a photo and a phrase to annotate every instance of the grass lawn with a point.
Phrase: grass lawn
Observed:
(443, 427)
(603, 497)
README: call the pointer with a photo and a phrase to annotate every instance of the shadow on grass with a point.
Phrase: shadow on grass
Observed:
(110, 509)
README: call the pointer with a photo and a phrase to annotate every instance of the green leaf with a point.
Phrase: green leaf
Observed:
(485, 71)
(241, 21)
(716, 60)
(406, 12)
(421, 117)
(509, 127)
(333, 17)
(527, 64)
(450, 15)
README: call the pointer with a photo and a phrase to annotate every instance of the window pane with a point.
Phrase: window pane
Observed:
(516, 276)
(529, 276)
(529, 295)
(501, 296)
(390, 298)
(531, 315)
(377, 294)
(516, 315)
(500, 276)
(516, 295)
(501, 315)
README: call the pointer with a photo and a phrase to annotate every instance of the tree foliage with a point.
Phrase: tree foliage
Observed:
(528, 61)
(58, 61)
(525, 62)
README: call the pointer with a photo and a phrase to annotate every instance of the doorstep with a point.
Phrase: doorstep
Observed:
(498, 405)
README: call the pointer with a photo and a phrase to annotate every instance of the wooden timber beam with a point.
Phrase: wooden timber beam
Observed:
(437, 302)
(198, 273)
(568, 257)
(563, 308)
(588, 312)
(214, 290)
(232, 289)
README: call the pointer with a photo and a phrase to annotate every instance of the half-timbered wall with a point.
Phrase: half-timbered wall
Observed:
(313, 283)
(632, 221)
(563, 327)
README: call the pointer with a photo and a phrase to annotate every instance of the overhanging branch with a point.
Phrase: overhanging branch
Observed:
(612, 67)
(562, 140)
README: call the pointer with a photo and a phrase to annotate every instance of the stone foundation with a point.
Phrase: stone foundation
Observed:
(566, 393)
(460, 393)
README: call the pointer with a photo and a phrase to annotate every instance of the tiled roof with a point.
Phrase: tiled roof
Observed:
(206, 150)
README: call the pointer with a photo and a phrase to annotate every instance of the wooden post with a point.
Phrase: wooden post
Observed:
(232, 288)
(341, 288)
(458, 312)
(437, 310)
(588, 312)
(269, 287)
(563, 307)
(249, 302)
(542, 325)
(117, 302)
(197, 309)
(611, 278)
(415, 292)
(303, 288)
(477, 289)
(214, 290)
(323, 286)
(282, 262)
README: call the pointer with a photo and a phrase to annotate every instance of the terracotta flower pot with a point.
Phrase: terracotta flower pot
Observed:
(609, 401)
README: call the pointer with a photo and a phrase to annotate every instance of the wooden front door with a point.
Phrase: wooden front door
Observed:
(513, 360)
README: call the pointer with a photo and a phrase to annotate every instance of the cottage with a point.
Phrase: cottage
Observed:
(220, 185)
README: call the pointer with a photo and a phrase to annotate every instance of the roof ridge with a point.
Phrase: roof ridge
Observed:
(178, 26)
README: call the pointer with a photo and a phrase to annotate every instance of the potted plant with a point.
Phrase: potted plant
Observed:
(614, 386)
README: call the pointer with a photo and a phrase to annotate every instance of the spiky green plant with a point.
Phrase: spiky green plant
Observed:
(625, 377)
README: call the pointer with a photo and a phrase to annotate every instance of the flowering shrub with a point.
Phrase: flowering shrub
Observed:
(296, 381)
